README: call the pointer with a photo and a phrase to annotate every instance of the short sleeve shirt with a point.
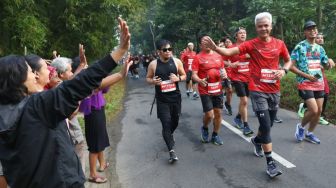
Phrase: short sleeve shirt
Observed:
(187, 58)
(203, 63)
(309, 59)
(242, 71)
(264, 60)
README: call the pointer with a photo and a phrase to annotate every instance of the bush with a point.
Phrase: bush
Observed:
(290, 98)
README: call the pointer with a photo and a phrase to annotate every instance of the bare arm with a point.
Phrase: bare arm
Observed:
(197, 79)
(295, 70)
(208, 42)
(150, 74)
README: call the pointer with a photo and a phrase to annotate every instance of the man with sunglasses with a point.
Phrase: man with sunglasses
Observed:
(264, 82)
(208, 72)
(308, 58)
(165, 73)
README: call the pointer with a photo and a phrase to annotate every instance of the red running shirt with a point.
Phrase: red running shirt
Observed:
(187, 58)
(264, 60)
(242, 72)
(204, 63)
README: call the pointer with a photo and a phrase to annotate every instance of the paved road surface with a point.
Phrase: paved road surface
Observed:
(140, 157)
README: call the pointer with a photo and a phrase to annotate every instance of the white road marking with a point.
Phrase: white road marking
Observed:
(275, 156)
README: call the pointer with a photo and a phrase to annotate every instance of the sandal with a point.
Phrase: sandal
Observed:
(105, 167)
(97, 179)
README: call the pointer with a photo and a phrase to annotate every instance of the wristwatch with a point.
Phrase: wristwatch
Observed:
(286, 70)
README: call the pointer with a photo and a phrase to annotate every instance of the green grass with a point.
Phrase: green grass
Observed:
(290, 98)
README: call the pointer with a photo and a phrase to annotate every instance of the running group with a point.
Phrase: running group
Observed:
(253, 69)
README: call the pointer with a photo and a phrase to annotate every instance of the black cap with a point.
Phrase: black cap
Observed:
(309, 24)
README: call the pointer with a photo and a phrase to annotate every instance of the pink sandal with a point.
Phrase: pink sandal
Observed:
(97, 179)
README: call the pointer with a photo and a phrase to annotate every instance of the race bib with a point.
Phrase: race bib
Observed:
(243, 66)
(314, 65)
(167, 86)
(214, 87)
(267, 76)
(190, 63)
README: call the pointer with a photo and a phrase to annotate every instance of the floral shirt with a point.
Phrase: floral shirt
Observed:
(309, 59)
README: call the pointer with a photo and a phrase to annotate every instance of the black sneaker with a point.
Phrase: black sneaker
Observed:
(228, 109)
(172, 157)
(272, 170)
(257, 148)
(277, 120)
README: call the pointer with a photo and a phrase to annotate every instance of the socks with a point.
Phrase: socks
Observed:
(245, 124)
(205, 128)
(238, 116)
(214, 134)
(268, 156)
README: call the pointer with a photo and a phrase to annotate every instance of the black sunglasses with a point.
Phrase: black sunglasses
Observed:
(167, 49)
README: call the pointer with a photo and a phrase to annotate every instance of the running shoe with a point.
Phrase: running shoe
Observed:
(228, 109)
(272, 170)
(277, 120)
(217, 140)
(204, 135)
(195, 96)
(188, 93)
(299, 133)
(238, 123)
(172, 157)
(247, 131)
(323, 121)
(312, 138)
(257, 148)
(301, 110)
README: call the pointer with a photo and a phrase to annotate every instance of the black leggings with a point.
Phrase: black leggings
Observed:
(169, 114)
(266, 118)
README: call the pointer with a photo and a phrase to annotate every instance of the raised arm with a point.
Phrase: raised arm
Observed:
(60, 102)
(208, 42)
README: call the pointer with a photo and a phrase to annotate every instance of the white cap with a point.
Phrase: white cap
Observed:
(190, 44)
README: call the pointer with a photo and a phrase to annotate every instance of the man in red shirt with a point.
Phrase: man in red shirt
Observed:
(264, 84)
(240, 75)
(187, 58)
(208, 72)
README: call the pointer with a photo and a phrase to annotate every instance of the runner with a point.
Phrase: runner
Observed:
(308, 57)
(303, 107)
(240, 75)
(187, 58)
(227, 81)
(165, 73)
(264, 85)
(208, 72)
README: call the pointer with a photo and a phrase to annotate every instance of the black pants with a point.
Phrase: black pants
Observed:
(169, 114)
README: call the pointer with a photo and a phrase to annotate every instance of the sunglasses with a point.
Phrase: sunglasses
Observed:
(167, 49)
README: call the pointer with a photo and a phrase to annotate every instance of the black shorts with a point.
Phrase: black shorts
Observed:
(210, 102)
(226, 83)
(308, 94)
(189, 74)
(241, 88)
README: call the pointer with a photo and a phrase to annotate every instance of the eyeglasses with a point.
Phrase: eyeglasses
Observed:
(167, 49)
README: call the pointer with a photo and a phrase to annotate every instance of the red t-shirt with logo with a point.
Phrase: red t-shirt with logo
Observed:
(187, 58)
(208, 66)
(242, 71)
(264, 60)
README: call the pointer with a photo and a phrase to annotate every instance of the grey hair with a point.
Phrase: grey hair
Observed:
(61, 64)
(263, 15)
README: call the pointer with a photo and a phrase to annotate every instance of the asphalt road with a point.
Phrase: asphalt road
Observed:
(141, 157)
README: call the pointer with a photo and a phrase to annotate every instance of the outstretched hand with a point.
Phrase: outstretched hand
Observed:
(125, 35)
(82, 56)
(208, 42)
